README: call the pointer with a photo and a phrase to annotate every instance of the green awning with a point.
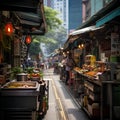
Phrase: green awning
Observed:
(108, 17)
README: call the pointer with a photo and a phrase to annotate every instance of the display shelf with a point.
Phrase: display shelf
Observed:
(89, 78)
(91, 87)
(77, 85)
(92, 92)
(5, 72)
(110, 91)
(102, 89)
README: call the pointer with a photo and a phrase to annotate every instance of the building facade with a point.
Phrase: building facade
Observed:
(91, 7)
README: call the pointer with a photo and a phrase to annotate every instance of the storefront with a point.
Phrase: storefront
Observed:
(95, 49)
(19, 20)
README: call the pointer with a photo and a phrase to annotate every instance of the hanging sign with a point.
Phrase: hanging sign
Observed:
(115, 44)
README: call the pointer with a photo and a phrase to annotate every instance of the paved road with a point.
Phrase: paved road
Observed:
(61, 104)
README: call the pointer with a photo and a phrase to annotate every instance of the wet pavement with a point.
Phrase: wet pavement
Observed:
(62, 105)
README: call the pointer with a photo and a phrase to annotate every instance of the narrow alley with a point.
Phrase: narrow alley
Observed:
(62, 105)
(60, 60)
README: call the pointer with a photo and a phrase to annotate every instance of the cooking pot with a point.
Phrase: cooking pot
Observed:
(22, 77)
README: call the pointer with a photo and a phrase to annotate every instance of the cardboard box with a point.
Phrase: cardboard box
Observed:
(94, 112)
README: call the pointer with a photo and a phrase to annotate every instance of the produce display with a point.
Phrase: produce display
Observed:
(90, 59)
(91, 73)
(27, 93)
(35, 74)
(80, 70)
(96, 71)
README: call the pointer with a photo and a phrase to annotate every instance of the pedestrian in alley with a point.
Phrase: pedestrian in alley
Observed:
(69, 66)
(62, 70)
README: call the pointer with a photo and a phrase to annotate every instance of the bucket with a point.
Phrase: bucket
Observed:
(22, 77)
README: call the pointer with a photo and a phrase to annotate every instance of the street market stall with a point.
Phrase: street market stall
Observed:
(18, 99)
(95, 48)
(24, 100)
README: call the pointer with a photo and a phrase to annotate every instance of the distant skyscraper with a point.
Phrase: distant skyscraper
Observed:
(75, 14)
(70, 12)
(48, 3)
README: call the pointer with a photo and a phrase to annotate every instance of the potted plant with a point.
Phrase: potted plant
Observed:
(15, 71)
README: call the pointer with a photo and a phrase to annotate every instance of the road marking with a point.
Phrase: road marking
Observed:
(61, 110)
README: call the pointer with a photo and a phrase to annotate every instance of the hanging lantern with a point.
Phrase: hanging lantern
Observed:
(81, 46)
(28, 39)
(9, 29)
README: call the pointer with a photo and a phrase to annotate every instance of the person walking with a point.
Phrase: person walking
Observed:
(62, 70)
(69, 66)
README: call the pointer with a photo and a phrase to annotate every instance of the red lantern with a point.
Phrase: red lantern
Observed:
(28, 39)
(9, 28)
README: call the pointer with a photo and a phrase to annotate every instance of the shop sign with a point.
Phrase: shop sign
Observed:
(115, 44)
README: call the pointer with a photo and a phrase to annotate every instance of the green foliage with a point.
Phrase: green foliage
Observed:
(52, 20)
(17, 70)
(29, 70)
(41, 73)
(60, 37)
(43, 39)
(34, 48)
(55, 35)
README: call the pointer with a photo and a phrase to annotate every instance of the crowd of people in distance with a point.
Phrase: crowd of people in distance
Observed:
(67, 66)
(36, 64)
(62, 66)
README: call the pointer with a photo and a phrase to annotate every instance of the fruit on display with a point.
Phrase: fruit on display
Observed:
(35, 75)
(91, 73)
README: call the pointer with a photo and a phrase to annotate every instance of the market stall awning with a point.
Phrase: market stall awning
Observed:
(31, 23)
(108, 17)
(35, 17)
(85, 30)
(30, 14)
(76, 34)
